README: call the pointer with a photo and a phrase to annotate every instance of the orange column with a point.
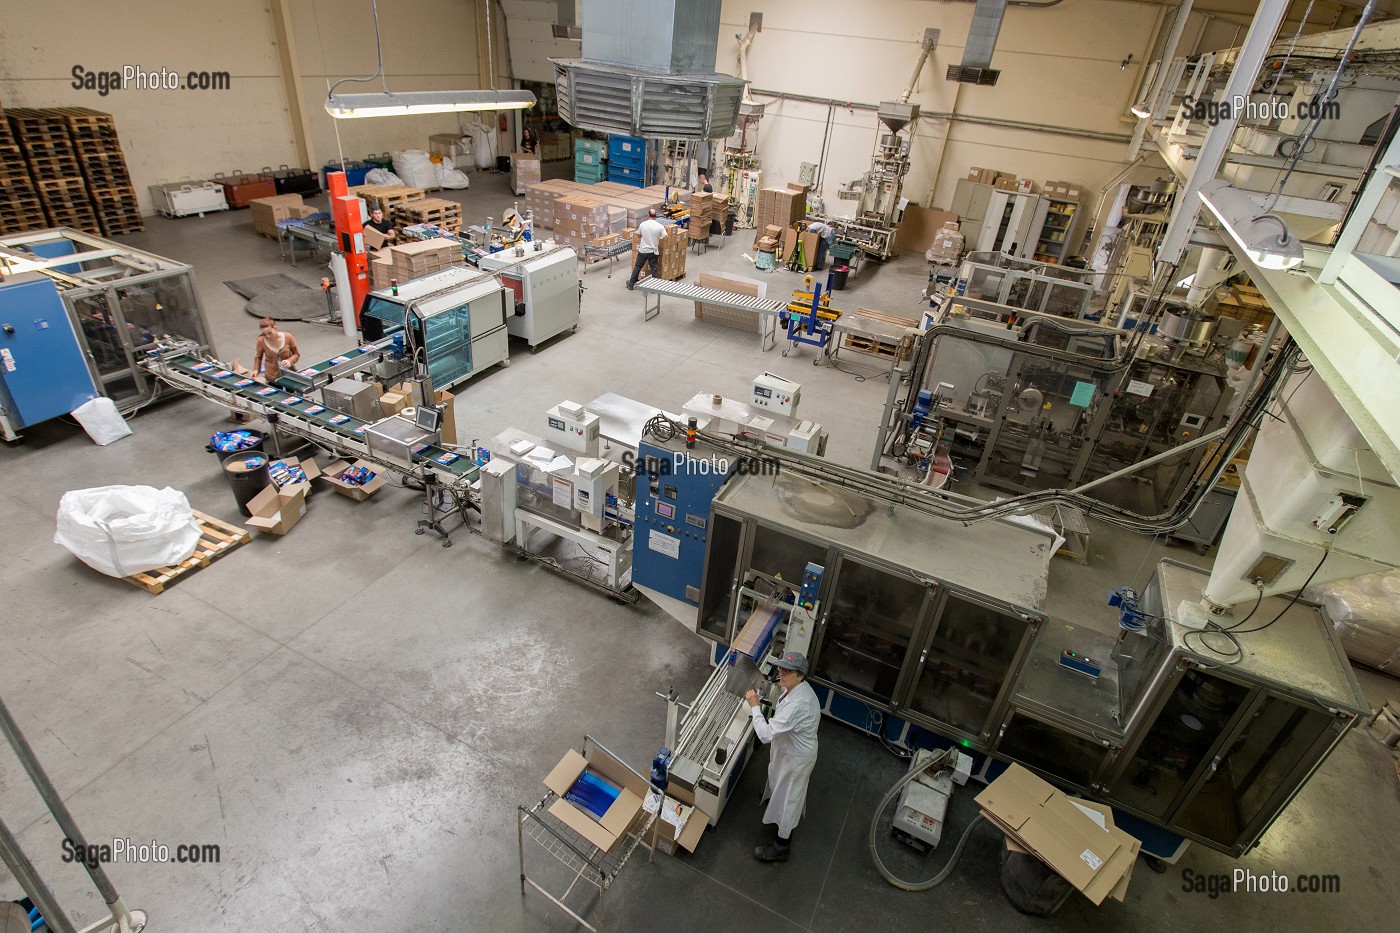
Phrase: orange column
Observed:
(349, 234)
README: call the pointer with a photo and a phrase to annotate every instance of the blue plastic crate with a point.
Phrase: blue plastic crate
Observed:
(591, 145)
(625, 176)
(355, 173)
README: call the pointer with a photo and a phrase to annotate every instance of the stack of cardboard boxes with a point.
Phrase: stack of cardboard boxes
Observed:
(524, 171)
(579, 220)
(704, 210)
(778, 207)
(1006, 181)
(673, 247)
(1063, 190)
(540, 198)
(268, 211)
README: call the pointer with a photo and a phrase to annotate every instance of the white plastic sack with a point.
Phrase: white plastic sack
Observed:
(121, 530)
(101, 420)
(382, 176)
(449, 177)
(483, 145)
(416, 168)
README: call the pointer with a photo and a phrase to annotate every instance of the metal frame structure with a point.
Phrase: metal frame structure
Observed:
(588, 863)
(121, 919)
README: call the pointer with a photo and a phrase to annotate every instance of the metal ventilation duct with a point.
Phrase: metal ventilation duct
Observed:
(976, 67)
(648, 70)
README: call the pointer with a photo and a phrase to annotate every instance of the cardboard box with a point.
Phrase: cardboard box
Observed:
(374, 239)
(1005, 183)
(668, 836)
(445, 401)
(919, 226)
(1095, 858)
(308, 467)
(606, 832)
(391, 403)
(275, 510)
(359, 493)
(268, 211)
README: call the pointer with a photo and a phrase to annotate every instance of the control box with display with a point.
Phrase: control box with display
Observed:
(675, 488)
(569, 426)
(776, 394)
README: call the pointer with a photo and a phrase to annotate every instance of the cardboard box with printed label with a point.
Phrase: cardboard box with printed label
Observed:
(333, 472)
(1078, 840)
(275, 511)
(607, 830)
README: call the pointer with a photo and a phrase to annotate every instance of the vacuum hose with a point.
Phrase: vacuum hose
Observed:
(947, 757)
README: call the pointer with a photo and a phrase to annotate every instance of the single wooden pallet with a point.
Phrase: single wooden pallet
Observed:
(866, 345)
(216, 539)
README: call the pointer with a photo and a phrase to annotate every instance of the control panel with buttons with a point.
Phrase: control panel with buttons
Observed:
(775, 393)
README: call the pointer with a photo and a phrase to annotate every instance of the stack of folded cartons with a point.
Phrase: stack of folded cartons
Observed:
(704, 208)
(414, 260)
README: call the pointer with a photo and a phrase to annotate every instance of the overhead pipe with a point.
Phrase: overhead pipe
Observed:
(746, 40)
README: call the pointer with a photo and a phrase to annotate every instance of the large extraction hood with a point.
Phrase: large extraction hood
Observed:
(647, 70)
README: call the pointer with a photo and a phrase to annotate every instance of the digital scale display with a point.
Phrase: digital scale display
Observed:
(556, 424)
(761, 392)
(665, 511)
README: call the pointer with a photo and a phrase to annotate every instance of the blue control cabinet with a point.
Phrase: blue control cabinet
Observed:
(675, 489)
(43, 372)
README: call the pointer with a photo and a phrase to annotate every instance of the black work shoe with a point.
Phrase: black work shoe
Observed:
(772, 853)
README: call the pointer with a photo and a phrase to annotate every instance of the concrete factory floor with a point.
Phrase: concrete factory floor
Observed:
(353, 713)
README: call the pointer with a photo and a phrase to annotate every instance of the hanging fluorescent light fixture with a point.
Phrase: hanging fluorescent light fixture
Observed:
(1269, 247)
(390, 104)
(396, 104)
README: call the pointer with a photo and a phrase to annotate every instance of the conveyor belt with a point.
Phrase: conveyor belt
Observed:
(767, 308)
(347, 436)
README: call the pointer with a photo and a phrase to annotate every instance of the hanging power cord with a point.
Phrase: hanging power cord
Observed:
(944, 760)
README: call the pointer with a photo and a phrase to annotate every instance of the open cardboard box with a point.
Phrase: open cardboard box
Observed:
(1096, 859)
(615, 822)
(359, 493)
(687, 837)
(275, 510)
(308, 467)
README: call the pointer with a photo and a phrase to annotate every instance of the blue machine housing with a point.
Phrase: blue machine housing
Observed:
(43, 372)
(675, 489)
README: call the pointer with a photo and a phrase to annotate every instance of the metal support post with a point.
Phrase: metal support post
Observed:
(127, 920)
(1164, 61)
(1217, 141)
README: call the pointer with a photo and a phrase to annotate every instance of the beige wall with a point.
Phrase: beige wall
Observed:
(1059, 67)
(172, 134)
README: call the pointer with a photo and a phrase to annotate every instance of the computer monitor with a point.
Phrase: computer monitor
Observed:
(428, 418)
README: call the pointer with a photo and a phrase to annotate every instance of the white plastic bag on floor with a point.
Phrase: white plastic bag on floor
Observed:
(449, 177)
(416, 168)
(382, 176)
(121, 530)
(101, 420)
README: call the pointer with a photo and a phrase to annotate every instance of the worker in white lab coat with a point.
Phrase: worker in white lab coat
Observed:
(793, 734)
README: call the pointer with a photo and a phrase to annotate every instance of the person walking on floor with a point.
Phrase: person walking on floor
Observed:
(650, 233)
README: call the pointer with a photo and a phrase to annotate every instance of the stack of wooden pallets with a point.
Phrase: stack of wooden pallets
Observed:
(385, 197)
(20, 208)
(53, 167)
(103, 165)
(439, 212)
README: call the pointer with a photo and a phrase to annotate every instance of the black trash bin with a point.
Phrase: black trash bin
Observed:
(838, 277)
(729, 220)
(503, 163)
(1032, 887)
(251, 442)
(247, 475)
